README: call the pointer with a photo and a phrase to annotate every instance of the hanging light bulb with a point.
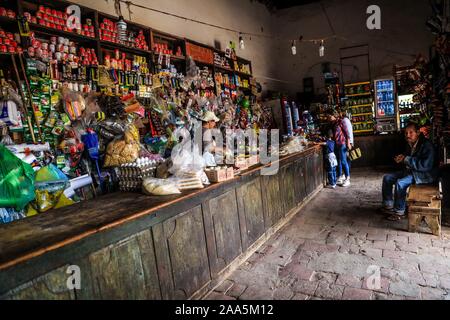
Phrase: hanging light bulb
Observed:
(322, 49)
(241, 42)
(122, 29)
(294, 48)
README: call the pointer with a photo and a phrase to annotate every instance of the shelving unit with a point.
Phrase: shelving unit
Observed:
(359, 103)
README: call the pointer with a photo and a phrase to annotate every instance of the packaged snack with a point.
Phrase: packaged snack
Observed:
(159, 187)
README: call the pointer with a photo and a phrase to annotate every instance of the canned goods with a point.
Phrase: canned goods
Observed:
(11, 14)
(3, 49)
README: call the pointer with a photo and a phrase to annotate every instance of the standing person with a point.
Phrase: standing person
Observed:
(420, 167)
(331, 160)
(343, 136)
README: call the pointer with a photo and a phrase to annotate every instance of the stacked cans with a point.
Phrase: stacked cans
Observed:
(108, 32)
(7, 43)
(62, 50)
(7, 13)
(131, 175)
(55, 19)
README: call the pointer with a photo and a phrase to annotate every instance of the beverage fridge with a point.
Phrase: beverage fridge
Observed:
(385, 106)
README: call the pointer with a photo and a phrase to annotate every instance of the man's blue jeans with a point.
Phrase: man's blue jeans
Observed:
(342, 161)
(402, 181)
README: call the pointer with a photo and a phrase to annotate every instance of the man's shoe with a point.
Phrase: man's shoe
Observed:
(346, 183)
(341, 180)
(386, 211)
(330, 187)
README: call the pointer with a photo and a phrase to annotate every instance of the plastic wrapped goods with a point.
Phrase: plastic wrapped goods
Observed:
(159, 187)
(16, 181)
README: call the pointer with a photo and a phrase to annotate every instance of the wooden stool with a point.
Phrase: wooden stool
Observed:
(424, 203)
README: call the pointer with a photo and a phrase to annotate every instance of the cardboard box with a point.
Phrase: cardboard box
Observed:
(253, 160)
(241, 163)
(230, 173)
(217, 175)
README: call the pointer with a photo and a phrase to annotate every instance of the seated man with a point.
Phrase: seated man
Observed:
(420, 168)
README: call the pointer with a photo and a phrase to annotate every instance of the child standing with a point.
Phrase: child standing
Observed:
(331, 160)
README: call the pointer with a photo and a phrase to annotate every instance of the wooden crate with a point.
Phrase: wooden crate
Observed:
(217, 175)
(424, 203)
(230, 173)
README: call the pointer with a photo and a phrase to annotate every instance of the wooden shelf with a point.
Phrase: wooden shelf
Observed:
(112, 46)
(355, 123)
(52, 32)
(223, 68)
(362, 114)
(357, 84)
(359, 94)
(242, 74)
(361, 105)
(8, 22)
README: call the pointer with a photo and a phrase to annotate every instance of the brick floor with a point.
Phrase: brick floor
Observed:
(336, 246)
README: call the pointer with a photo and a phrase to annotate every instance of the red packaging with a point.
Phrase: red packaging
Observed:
(7, 41)
(48, 11)
(11, 14)
(54, 12)
(59, 27)
(1, 40)
(34, 20)
(3, 12)
(3, 49)
(10, 36)
(41, 9)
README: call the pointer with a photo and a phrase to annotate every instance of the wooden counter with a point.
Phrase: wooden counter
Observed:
(131, 246)
(379, 151)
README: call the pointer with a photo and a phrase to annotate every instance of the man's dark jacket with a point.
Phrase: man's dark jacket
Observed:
(422, 164)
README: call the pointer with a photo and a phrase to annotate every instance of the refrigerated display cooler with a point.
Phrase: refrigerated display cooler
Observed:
(385, 105)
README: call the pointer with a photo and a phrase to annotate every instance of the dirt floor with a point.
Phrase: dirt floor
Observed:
(338, 247)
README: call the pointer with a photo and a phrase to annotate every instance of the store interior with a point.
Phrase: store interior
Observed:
(99, 97)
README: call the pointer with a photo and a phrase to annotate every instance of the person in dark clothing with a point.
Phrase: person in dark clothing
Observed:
(331, 160)
(420, 167)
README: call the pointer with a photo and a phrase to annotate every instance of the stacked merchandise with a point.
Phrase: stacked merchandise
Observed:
(359, 103)
(7, 43)
(76, 123)
(109, 32)
(109, 141)
(55, 19)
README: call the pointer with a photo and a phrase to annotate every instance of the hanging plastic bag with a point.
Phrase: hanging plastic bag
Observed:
(16, 181)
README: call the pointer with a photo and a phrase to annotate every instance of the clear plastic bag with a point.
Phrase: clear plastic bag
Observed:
(186, 159)
(16, 181)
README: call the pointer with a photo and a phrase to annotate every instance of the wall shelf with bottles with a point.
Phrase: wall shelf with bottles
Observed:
(359, 103)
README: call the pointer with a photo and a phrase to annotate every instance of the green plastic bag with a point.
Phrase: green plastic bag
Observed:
(16, 181)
